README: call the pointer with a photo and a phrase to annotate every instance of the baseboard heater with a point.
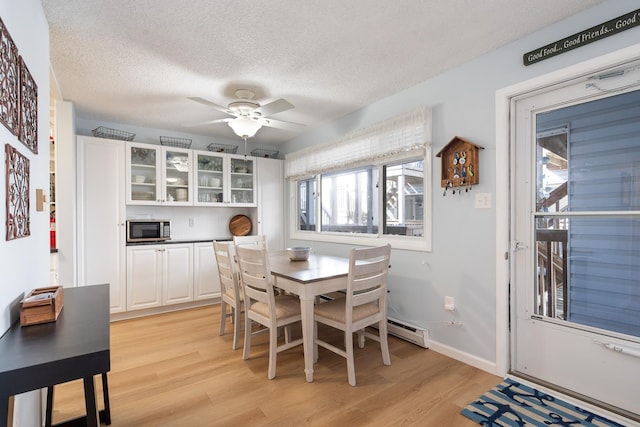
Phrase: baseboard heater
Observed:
(403, 330)
(413, 334)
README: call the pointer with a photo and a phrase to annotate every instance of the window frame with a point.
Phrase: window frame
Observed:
(415, 243)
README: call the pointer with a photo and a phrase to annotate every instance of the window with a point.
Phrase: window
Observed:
(348, 201)
(371, 183)
(350, 204)
(404, 198)
(306, 204)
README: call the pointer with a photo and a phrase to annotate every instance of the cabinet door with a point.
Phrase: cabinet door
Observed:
(158, 175)
(177, 286)
(209, 178)
(177, 176)
(144, 277)
(206, 282)
(144, 174)
(271, 201)
(242, 181)
(101, 217)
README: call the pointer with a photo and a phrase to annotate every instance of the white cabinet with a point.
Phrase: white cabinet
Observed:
(270, 210)
(158, 175)
(101, 216)
(177, 285)
(159, 275)
(210, 178)
(222, 178)
(206, 282)
(144, 277)
(242, 181)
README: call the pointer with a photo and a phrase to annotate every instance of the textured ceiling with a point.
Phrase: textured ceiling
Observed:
(137, 61)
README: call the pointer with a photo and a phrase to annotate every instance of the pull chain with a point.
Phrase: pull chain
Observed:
(245, 147)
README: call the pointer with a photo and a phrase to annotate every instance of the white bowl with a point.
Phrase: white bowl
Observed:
(139, 178)
(300, 253)
(181, 195)
(214, 182)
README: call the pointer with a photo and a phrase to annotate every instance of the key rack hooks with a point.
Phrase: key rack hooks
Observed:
(460, 165)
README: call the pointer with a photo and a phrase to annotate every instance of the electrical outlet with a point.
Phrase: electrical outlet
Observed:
(449, 304)
(192, 222)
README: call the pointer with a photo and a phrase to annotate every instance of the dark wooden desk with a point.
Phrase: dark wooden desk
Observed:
(73, 347)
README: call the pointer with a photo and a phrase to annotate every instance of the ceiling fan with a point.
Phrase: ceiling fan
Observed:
(248, 115)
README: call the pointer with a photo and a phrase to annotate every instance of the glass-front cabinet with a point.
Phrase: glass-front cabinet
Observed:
(242, 181)
(209, 178)
(225, 179)
(158, 175)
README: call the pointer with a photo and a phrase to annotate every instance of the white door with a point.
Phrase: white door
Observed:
(271, 202)
(101, 217)
(575, 226)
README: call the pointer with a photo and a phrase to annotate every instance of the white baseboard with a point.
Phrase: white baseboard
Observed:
(464, 357)
(125, 315)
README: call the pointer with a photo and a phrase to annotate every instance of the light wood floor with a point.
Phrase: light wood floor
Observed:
(175, 370)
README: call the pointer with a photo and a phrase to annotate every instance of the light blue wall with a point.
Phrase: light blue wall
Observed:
(462, 263)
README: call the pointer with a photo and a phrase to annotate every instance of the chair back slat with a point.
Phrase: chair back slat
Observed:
(367, 279)
(254, 270)
(259, 240)
(226, 267)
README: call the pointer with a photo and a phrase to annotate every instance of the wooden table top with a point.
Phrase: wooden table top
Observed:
(317, 267)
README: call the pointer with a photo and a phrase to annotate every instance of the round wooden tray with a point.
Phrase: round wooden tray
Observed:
(240, 225)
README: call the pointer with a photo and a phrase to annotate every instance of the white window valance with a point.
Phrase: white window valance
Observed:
(382, 142)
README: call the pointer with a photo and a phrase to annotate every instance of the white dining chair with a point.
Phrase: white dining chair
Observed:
(365, 304)
(262, 305)
(232, 294)
(259, 239)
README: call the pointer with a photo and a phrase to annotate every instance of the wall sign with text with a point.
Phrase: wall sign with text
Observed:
(584, 37)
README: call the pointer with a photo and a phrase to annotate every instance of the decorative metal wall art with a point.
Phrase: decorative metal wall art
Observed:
(9, 81)
(17, 193)
(28, 109)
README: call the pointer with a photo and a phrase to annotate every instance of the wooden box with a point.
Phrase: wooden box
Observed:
(42, 305)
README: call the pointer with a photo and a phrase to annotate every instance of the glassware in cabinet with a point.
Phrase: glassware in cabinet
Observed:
(158, 175)
(210, 179)
(143, 174)
(177, 167)
(242, 180)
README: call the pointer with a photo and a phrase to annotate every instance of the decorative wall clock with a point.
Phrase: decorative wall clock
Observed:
(17, 193)
(460, 165)
(9, 81)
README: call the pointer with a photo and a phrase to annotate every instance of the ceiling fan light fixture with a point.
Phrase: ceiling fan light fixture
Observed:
(244, 126)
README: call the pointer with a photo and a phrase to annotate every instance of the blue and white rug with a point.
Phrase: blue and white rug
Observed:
(513, 404)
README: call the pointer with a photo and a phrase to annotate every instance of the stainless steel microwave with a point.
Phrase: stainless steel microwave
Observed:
(148, 230)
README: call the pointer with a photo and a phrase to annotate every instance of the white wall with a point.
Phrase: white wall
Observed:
(463, 261)
(25, 261)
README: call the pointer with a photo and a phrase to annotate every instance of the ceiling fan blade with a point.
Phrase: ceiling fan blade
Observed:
(280, 124)
(274, 107)
(211, 104)
(208, 122)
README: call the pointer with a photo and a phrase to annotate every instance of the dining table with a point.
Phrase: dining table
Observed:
(308, 279)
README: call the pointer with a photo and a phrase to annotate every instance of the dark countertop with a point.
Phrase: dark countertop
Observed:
(178, 241)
